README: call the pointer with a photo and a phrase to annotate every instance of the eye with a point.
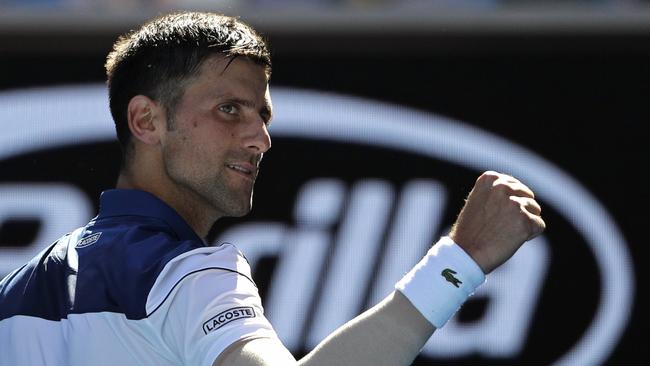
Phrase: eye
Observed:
(228, 108)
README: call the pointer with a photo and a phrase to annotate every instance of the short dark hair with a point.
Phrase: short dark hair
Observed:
(159, 58)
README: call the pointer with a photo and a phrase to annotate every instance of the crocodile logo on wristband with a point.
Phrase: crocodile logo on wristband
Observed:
(448, 274)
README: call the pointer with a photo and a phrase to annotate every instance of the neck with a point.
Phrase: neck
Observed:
(192, 209)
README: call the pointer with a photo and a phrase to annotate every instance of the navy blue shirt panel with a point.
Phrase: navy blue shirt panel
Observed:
(140, 234)
(35, 288)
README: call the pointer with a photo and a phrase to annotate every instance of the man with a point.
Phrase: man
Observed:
(139, 286)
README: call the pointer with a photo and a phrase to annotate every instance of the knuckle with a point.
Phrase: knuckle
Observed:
(529, 202)
(502, 186)
(488, 177)
(524, 188)
(515, 202)
(536, 204)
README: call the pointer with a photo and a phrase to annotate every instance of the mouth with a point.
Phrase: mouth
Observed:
(246, 170)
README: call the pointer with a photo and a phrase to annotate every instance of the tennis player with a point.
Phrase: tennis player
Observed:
(138, 285)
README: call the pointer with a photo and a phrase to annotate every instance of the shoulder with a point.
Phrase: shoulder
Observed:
(204, 301)
(120, 260)
(200, 262)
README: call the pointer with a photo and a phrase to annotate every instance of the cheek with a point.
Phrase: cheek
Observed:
(201, 144)
(202, 152)
(181, 152)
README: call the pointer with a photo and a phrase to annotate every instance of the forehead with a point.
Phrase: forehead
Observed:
(221, 71)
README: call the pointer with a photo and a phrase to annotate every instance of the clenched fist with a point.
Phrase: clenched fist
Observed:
(500, 214)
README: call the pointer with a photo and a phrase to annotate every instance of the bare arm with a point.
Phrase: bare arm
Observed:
(500, 214)
(389, 334)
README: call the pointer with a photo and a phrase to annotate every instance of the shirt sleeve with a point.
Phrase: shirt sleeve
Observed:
(206, 311)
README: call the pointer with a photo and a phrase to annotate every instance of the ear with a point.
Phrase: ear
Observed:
(144, 117)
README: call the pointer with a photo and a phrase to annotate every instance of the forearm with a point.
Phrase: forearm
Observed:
(391, 333)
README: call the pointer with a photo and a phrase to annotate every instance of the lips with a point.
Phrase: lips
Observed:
(245, 169)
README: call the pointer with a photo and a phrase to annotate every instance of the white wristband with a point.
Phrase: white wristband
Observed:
(441, 282)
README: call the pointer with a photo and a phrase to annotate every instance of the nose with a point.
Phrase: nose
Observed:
(260, 139)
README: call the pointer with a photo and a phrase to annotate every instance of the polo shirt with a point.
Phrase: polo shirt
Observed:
(135, 286)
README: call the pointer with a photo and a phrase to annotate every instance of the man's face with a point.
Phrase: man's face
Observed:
(219, 134)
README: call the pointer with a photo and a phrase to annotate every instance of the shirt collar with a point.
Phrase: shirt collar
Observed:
(120, 202)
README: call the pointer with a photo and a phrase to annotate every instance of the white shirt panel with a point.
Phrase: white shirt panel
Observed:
(212, 304)
(98, 339)
(225, 256)
(24, 337)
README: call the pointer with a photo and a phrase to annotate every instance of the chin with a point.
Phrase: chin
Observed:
(235, 209)
(241, 212)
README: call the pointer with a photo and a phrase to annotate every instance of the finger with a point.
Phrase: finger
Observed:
(537, 226)
(510, 178)
(528, 204)
(500, 181)
(487, 178)
(514, 188)
(531, 209)
(501, 176)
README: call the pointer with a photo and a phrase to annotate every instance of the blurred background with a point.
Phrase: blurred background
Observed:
(386, 113)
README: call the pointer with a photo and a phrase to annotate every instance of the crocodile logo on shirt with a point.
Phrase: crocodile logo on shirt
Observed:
(448, 274)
